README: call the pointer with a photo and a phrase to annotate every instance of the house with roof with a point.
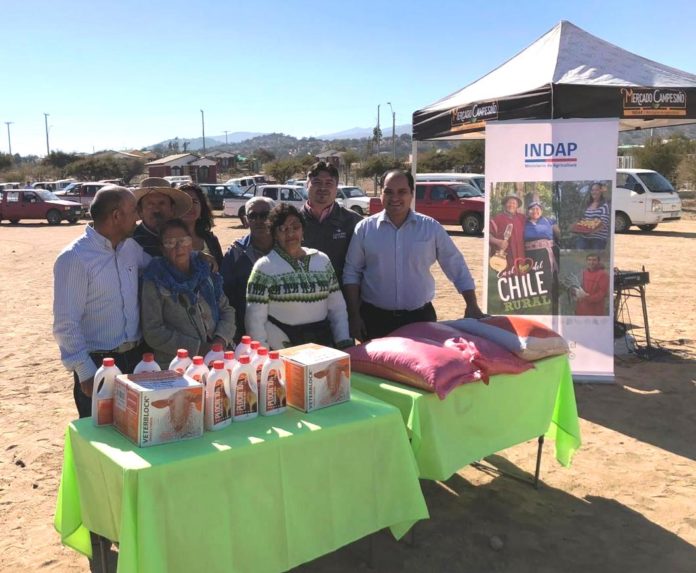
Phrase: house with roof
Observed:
(201, 169)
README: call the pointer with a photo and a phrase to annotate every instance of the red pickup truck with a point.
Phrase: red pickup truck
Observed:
(17, 204)
(448, 203)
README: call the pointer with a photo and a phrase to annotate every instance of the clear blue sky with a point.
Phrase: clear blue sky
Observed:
(125, 74)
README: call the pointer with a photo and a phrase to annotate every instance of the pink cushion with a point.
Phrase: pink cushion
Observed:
(490, 357)
(416, 363)
(527, 338)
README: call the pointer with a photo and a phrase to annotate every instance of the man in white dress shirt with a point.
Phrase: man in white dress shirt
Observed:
(95, 307)
(387, 278)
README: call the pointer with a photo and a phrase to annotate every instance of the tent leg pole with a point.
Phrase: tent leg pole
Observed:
(538, 462)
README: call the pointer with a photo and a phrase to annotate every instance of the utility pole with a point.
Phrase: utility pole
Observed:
(9, 139)
(226, 132)
(203, 126)
(393, 129)
(378, 131)
(48, 148)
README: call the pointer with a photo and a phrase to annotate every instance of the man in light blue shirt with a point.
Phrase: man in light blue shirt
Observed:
(95, 307)
(387, 275)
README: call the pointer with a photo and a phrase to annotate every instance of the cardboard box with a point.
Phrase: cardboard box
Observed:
(158, 407)
(316, 376)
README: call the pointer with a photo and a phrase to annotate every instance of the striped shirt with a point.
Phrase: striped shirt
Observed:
(95, 304)
(601, 213)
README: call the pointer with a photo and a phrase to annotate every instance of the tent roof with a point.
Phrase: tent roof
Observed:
(569, 59)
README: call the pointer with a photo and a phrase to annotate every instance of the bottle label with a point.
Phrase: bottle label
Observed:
(105, 411)
(275, 392)
(222, 407)
(245, 400)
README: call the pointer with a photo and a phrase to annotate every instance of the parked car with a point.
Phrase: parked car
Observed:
(11, 185)
(353, 198)
(54, 186)
(217, 193)
(175, 180)
(644, 198)
(234, 207)
(243, 182)
(448, 203)
(82, 193)
(476, 179)
(18, 204)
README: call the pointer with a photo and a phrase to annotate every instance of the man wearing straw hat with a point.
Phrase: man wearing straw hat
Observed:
(158, 202)
(507, 231)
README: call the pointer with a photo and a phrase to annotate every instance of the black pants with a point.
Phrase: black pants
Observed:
(380, 322)
(126, 362)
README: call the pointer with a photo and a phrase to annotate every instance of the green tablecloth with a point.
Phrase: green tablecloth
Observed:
(262, 495)
(477, 420)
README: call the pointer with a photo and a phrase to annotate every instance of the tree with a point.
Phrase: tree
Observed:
(435, 161)
(662, 157)
(377, 137)
(264, 155)
(5, 161)
(377, 165)
(349, 157)
(282, 169)
(60, 159)
(95, 168)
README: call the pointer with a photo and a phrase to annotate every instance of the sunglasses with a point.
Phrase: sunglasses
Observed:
(257, 216)
(180, 242)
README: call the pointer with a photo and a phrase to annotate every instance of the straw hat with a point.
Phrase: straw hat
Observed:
(182, 200)
(512, 196)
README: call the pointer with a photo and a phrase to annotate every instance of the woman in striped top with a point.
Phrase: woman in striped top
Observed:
(597, 208)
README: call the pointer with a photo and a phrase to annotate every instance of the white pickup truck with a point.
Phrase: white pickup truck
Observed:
(293, 195)
(353, 198)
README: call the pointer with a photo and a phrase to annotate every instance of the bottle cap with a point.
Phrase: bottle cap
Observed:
(229, 354)
(274, 355)
(148, 357)
(262, 351)
(182, 353)
(198, 360)
(217, 347)
(246, 339)
(108, 362)
(244, 359)
(219, 365)
(255, 344)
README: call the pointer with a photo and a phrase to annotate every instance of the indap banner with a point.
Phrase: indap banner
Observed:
(549, 231)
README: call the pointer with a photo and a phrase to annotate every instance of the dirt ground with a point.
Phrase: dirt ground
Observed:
(628, 502)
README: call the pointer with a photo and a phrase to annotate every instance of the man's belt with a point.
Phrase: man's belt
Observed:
(121, 349)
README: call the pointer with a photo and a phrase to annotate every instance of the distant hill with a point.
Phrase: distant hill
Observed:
(196, 143)
(366, 132)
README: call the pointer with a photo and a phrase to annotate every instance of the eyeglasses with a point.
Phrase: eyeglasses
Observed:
(180, 242)
(289, 228)
(257, 216)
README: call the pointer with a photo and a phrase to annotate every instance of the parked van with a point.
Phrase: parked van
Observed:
(476, 179)
(644, 198)
(81, 192)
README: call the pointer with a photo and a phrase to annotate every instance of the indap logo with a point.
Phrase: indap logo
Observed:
(556, 154)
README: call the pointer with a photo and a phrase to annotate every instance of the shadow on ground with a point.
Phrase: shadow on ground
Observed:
(637, 405)
(545, 530)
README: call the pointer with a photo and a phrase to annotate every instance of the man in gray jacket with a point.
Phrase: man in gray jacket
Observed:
(328, 226)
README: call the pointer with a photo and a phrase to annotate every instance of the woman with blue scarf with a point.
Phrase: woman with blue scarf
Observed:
(183, 304)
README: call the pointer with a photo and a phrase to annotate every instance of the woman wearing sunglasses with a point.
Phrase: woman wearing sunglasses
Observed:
(293, 296)
(183, 304)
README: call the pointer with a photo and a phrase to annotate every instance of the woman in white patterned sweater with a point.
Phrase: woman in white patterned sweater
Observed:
(293, 296)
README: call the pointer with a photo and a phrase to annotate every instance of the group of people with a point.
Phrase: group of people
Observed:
(316, 274)
(519, 237)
